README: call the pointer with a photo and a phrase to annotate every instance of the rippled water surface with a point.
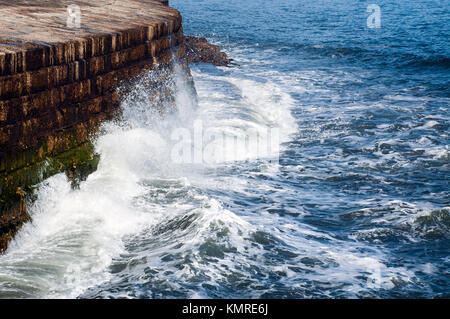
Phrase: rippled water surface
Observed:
(358, 204)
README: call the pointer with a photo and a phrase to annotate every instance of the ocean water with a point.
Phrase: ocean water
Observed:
(351, 201)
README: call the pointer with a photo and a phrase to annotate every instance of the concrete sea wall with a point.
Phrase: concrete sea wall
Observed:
(58, 83)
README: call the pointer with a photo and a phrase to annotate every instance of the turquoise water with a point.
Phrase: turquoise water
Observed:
(356, 205)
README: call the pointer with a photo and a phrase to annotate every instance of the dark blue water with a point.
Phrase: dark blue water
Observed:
(357, 205)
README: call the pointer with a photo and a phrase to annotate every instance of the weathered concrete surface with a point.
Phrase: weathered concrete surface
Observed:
(58, 83)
